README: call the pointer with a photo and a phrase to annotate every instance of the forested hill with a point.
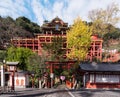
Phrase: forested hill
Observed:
(21, 27)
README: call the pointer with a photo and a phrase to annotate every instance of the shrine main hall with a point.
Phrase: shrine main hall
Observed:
(56, 28)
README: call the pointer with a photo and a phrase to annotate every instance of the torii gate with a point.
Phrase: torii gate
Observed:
(55, 64)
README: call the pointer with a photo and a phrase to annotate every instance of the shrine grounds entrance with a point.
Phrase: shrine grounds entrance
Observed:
(59, 71)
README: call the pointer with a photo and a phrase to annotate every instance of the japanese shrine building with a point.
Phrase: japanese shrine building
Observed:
(100, 75)
(56, 27)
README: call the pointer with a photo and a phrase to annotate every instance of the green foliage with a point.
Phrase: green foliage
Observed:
(58, 71)
(19, 54)
(26, 24)
(2, 55)
(57, 44)
(78, 40)
(34, 64)
(54, 48)
(112, 35)
(56, 52)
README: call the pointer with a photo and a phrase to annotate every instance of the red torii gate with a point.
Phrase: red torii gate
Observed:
(56, 64)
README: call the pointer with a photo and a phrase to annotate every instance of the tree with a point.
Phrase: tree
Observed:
(78, 40)
(26, 24)
(56, 52)
(111, 37)
(36, 64)
(78, 43)
(19, 54)
(9, 29)
(102, 18)
(55, 48)
(2, 55)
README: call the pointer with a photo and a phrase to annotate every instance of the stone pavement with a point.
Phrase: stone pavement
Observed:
(62, 91)
(34, 92)
(96, 93)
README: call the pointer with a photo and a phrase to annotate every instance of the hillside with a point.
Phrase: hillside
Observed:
(21, 27)
(112, 39)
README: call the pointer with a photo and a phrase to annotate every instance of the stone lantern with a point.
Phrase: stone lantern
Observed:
(12, 67)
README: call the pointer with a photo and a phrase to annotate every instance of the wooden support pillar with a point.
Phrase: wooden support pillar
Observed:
(33, 45)
(51, 68)
(32, 81)
(13, 84)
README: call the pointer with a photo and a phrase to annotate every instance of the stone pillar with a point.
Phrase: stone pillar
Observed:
(13, 83)
(40, 84)
(2, 76)
(84, 80)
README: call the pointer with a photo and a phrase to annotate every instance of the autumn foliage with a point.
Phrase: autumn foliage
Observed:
(78, 40)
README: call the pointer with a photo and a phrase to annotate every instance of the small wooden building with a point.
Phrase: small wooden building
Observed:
(21, 79)
(100, 75)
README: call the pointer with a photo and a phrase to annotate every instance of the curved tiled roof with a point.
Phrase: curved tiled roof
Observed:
(57, 19)
(100, 67)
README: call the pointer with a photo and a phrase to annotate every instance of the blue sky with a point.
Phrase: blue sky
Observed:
(39, 10)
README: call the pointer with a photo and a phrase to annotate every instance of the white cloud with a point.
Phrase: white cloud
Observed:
(37, 9)
(75, 8)
(68, 10)
(12, 8)
(40, 10)
(45, 1)
(58, 9)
